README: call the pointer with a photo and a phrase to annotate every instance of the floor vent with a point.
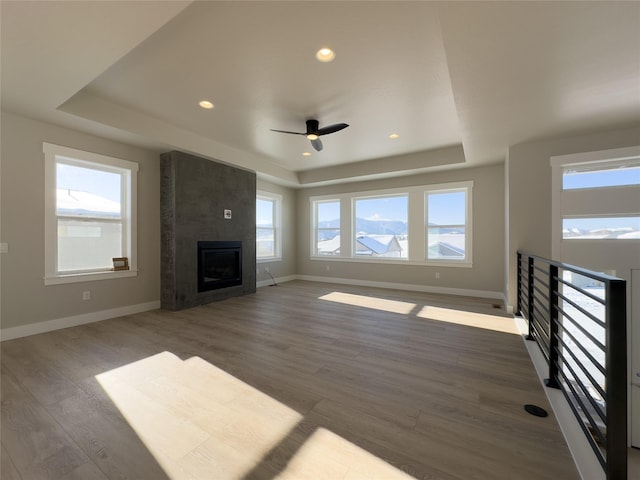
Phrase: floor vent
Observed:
(536, 410)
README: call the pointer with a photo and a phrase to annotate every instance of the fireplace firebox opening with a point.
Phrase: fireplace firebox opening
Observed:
(219, 265)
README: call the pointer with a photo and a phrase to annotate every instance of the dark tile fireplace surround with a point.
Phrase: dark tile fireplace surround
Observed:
(194, 197)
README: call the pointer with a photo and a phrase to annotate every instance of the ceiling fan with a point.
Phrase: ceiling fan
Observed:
(314, 132)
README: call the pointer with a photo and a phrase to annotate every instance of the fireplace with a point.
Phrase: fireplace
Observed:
(219, 265)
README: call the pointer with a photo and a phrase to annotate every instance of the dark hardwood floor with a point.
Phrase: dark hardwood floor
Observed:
(303, 380)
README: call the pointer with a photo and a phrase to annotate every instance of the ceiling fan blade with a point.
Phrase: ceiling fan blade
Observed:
(285, 131)
(317, 144)
(331, 128)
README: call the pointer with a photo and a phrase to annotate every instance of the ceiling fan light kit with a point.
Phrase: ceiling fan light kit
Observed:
(314, 132)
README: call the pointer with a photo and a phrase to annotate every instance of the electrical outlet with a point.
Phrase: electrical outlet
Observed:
(327, 268)
(86, 295)
(437, 275)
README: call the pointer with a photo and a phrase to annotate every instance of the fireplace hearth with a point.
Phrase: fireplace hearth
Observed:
(219, 265)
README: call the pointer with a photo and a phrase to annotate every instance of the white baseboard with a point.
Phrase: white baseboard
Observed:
(586, 462)
(59, 323)
(269, 282)
(405, 286)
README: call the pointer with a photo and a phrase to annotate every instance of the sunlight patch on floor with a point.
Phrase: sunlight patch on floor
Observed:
(469, 319)
(391, 306)
(199, 422)
(329, 456)
(194, 418)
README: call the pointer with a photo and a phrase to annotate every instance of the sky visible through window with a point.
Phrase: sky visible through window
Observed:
(601, 223)
(328, 211)
(264, 212)
(572, 180)
(447, 208)
(601, 178)
(98, 182)
(382, 208)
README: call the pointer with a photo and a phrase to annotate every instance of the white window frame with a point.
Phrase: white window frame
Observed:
(277, 225)
(416, 219)
(372, 196)
(466, 187)
(315, 201)
(129, 170)
(598, 201)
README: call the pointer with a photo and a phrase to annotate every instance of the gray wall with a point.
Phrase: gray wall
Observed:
(528, 180)
(287, 266)
(194, 194)
(25, 298)
(487, 273)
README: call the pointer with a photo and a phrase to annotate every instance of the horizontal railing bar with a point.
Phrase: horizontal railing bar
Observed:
(544, 349)
(594, 383)
(594, 404)
(589, 421)
(545, 296)
(584, 331)
(544, 327)
(541, 338)
(542, 313)
(589, 315)
(603, 277)
(541, 279)
(582, 348)
(541, 270)
(585, 410)
(583, 292)
(572, 367)
(585, 430)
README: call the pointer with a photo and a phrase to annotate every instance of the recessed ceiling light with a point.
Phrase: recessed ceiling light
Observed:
(206, 104)
(306, 154)
(325, 54)
(393, 136)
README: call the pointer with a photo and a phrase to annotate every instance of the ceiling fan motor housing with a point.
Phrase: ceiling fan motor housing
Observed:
(313, 127)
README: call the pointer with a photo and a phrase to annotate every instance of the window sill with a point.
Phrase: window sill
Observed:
(394, 261)
(89, 277)
(268, 259)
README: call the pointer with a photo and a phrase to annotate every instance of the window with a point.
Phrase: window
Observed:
(600, 228)
(326, 227)
(596, 195)
(448, 227)
(268, 228)
(390, 226)
(90, 211)
(381, 227)
(611, 174)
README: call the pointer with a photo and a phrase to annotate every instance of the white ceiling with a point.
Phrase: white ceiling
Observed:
(458, 81)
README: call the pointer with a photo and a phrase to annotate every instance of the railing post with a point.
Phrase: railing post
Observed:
(616, 379)
(530, 297)
(554, 344)
(519, 291)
